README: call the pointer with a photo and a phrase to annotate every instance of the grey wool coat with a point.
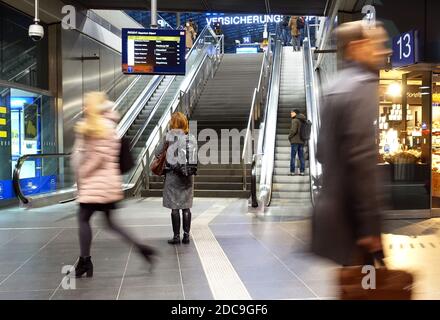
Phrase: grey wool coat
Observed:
(347, 209)
(178, 190)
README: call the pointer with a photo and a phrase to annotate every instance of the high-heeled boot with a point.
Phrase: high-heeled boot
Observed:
(186, 225)
(175, 220)
(84, 266)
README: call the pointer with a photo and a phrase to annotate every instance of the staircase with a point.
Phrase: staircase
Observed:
(224, 104)
(289, 190)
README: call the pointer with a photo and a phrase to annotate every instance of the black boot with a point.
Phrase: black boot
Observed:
(175, 220)
(186, 225)
(84, 266)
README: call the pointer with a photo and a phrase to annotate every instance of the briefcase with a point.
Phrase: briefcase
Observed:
(389, 284)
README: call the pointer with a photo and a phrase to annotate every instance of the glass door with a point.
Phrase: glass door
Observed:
(436, 141)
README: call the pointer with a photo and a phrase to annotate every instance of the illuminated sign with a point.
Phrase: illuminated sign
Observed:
(153, 51)
(405, 49)
(249, 19)
(236, 20)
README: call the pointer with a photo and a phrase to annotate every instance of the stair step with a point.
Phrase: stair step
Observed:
(291, 187)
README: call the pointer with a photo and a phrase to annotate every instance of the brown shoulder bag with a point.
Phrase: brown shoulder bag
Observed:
(158, 164)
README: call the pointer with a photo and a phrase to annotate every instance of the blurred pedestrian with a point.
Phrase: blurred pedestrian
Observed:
(301, 22)
(95, 160)
(294, 31)
(178, 189)
(195, 27)
(347, 219)
(190, 35)
(285, 31)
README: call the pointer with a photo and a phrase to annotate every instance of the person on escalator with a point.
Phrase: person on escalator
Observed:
(294, 31)
(296, 143)
(190, 35)
(180, 167)
(346, 224)
(96, 163)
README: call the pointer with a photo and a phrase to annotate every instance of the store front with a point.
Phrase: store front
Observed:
(408, 133)
(27, 126)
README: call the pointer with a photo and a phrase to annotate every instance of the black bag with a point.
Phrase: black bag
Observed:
(300, 23)
(187, 169)
(305, 130)
(126, 161)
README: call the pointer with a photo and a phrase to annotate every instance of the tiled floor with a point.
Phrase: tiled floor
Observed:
(269, 253)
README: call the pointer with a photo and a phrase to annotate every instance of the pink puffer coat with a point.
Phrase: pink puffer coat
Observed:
(96, 165)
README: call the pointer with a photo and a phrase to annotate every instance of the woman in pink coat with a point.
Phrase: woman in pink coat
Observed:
(96, 165)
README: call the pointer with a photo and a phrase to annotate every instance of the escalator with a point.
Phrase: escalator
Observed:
(144, 107)
(292, 85)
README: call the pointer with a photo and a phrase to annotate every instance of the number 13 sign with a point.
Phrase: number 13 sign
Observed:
(405, 49)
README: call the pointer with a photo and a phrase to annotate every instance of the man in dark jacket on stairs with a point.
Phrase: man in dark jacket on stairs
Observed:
(297, 145)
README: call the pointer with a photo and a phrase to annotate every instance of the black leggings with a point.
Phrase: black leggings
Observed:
(85, 231)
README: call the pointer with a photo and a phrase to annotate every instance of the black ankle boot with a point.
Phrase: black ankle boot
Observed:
(84, 266)
(185, 239)
(175, 239)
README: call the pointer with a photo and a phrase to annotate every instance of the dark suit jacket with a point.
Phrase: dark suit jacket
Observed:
(347, 208)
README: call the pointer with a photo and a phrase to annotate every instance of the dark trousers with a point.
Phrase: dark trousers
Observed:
(297, 148)
(85, 231)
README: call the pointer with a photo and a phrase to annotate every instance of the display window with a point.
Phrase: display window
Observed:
(403, 139)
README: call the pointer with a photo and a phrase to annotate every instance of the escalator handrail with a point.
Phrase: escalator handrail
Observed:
(17, 171)
(313, 111)
(129, 117)
(270, 123)
(139, 133)
(257, 93)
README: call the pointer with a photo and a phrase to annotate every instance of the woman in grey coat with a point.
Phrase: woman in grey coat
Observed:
(178, 189)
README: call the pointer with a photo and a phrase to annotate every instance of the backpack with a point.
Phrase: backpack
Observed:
(186, 169)
(305, 130)
(300, 23)
(126, 161)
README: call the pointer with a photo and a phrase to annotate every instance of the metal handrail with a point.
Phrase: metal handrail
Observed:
(255, 111)
(17, 171)
(327, 30)
(139, 104)
(27, 70)
(267, 148)
(313, 112)
(138, 134)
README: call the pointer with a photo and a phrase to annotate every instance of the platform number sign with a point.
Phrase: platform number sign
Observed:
(405, 49)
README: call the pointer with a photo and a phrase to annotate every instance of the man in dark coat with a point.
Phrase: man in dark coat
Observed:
(296, 143)
(347, 220)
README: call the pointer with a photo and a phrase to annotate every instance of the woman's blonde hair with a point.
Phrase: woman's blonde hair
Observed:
(179, 121)
(93, 125)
